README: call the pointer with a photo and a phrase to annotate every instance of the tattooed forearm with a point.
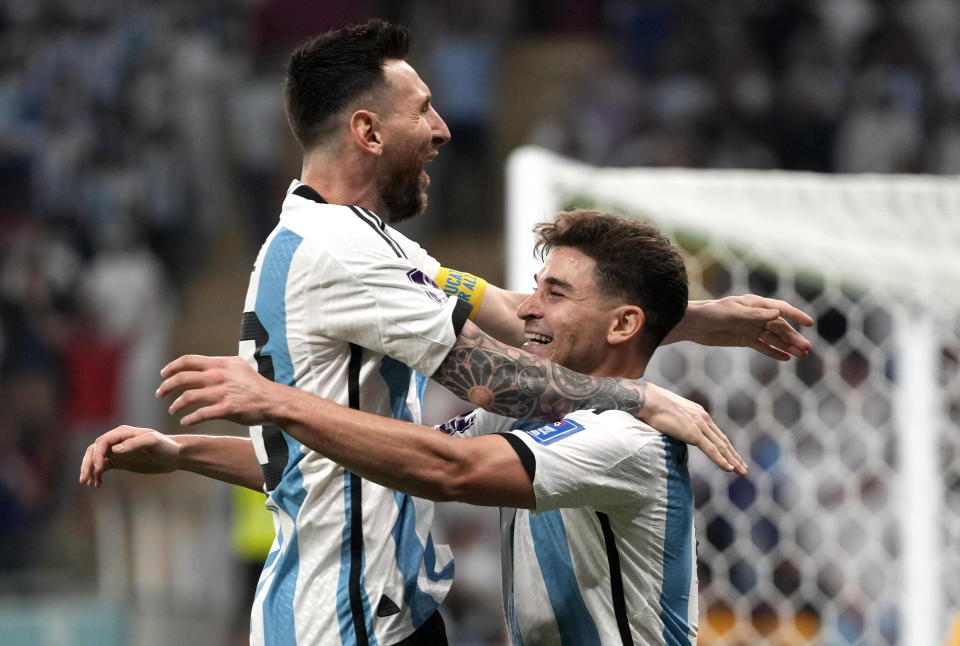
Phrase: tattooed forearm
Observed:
(510, 382)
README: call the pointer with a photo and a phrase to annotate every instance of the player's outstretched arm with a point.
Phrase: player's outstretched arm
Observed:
(407, 457)
(144, 450)
(748, 321)
(508, 381)
(497, 315)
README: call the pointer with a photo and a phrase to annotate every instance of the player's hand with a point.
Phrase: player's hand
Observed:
(748, 321)
(216, 388)
(141, 450)
(687, 421)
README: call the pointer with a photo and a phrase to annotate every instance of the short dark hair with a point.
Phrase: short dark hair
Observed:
(634, 260)
(330, 71)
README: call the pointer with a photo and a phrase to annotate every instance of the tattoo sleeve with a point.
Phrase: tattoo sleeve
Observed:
(510, 382)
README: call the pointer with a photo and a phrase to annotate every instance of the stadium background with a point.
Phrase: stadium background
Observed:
(143, 154)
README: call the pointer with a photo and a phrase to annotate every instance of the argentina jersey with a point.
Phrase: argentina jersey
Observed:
(609, 554)
(341, 306)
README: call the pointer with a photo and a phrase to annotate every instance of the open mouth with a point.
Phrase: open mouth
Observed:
(537, 339)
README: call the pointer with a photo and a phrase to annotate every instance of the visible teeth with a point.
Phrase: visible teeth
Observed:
(538, 338)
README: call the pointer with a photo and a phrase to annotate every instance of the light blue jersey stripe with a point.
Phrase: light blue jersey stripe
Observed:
(397, 377)
(410, 552)
(556, 565)
(574, 621)
(270, 309)
(677, 559)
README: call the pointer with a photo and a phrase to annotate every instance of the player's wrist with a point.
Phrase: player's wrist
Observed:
(281, 406)
(691, 325)
(182, 452)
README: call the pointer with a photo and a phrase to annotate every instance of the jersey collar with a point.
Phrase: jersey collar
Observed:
(300, 189)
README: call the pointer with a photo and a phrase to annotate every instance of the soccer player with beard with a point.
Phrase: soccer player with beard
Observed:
(342, 306)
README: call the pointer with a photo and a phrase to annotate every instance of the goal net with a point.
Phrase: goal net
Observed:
(846, 530)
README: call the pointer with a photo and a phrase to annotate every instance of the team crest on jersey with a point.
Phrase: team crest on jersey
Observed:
(554, 432)
(417, 277)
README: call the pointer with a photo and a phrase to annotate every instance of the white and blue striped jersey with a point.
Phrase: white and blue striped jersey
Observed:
(609, 554)
(342, 306)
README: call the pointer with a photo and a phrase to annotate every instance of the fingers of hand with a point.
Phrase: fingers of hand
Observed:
(719, 448)
(85, 466)
(783, 308)
(779, 334)
(203, 414)
(194, 362)
(192, 398)
(188, 379)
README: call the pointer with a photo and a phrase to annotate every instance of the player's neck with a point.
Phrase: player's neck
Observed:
(341, 181)
(626, 365)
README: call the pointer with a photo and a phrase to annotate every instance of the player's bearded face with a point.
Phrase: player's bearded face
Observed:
(404, 194)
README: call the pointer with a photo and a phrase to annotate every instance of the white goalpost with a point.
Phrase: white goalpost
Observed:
(847, 528)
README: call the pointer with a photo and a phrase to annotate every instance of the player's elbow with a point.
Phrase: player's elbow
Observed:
(452, 479)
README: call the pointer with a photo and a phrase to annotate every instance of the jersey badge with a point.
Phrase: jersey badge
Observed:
(417, 277)
(459, 424)
(554, 432)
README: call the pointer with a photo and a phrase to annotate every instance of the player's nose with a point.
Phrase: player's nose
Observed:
(528, 308)
(438, 127)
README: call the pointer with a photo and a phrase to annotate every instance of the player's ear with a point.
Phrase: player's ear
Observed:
(625, 324)
(365, 131)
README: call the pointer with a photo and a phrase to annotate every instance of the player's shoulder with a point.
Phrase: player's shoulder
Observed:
(324, 222)
(612, 418)
(622, 426)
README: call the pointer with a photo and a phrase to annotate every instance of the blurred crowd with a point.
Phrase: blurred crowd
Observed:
(133, 136)
(854, 86)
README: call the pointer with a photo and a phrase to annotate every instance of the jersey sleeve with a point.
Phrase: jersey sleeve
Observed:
(590, 460)
(368, 294)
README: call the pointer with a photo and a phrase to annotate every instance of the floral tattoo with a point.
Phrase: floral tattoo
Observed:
(510, 382)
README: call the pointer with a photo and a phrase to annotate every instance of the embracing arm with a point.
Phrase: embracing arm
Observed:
(143, 450)
(511, 382)
(415, 459)
(407, 457)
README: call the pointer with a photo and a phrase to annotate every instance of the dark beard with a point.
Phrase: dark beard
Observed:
(402, 197)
